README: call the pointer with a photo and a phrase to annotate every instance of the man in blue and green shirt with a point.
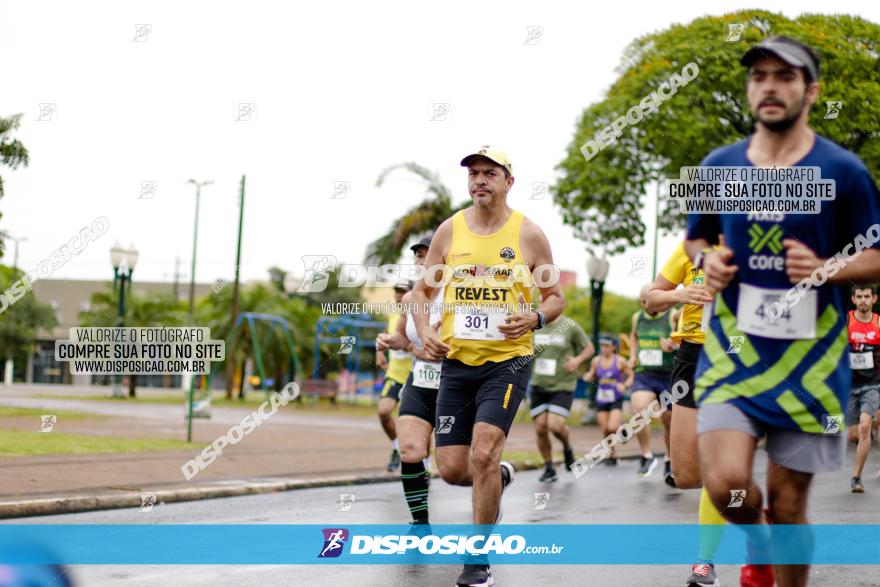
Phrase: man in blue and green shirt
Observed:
(784, 377)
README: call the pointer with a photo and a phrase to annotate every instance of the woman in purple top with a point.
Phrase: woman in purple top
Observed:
(614, 375)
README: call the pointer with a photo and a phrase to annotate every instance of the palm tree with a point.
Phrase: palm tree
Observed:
(213, 311)
(421, 219)
(12, 152)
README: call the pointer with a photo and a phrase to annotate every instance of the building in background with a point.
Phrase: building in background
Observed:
(567, 278)
(69, 297)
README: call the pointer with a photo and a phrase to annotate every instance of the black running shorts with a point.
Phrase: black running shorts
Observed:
(556, 402)
(391, 389)
(420, 402)
(489, 393)
(684, 367)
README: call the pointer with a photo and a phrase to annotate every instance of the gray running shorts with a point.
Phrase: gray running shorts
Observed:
(795, 450)
(863, 399)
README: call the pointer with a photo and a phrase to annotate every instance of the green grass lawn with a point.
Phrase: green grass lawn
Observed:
(9, 412)
(363, 408)
(253, 400)
(20, 443)
(519, 456)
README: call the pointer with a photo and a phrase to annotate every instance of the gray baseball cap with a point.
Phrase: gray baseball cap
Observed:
(425, 242)
(785, 49)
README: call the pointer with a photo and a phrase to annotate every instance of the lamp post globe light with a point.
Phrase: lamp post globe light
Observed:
(598, 271)
(124, 261)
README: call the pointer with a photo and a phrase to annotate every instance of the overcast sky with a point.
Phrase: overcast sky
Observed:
(340, 91)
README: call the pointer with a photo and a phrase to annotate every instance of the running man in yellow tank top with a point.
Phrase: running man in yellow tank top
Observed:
(397, 369)
(489, 256)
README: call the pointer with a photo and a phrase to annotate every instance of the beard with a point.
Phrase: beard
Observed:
(785, 123)
(484, 200)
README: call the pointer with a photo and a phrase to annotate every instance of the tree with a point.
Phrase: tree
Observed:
(277, 277)
(141, 311)
(602, 199)
(616, 316)
(21, 320)
(12, 153)
(422, 218)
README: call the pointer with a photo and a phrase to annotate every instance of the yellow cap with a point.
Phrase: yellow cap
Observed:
(491, 153)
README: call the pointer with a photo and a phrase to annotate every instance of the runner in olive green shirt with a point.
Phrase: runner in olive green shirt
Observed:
(652, 355)
(560, 349)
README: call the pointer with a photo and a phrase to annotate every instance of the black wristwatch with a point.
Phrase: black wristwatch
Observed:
(701, 257)
(540, 323)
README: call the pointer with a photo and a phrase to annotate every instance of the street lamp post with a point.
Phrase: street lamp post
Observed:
(192, 276)
(656, 231)
(188, 377)
(598, 271)
(15, 255)
(123, 261)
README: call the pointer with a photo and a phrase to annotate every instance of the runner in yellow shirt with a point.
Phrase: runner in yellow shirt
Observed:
(397, 369)
(488, 255)
(661, 295)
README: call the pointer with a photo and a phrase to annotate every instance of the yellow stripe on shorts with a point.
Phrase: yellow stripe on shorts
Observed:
(507, 395)
(387, 387)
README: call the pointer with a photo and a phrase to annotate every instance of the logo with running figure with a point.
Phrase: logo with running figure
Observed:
(833, 107)
(345, 502)
(334, 540)
(736, 343)
(318, 268)
(734, 32)
(446, 423)
(148, 190)
(439, 111)
(541, 500)
(340, 189)
(638, 267)
(507, 254)
(346, 344)
(142, 33)
(148, 500)
(47, 423)
(832, 423)
(737, 497)
(534, 35)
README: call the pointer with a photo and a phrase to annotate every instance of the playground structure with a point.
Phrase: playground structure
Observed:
(346, 331)
(251, 319)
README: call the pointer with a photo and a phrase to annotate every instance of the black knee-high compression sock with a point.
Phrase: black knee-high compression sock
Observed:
(415, 489)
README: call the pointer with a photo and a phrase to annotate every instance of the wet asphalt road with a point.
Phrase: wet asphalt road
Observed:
(602, 496)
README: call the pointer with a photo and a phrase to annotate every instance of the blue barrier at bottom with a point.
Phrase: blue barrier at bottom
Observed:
(437, 544)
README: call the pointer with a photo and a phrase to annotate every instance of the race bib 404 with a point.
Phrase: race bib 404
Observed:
(796, 322)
